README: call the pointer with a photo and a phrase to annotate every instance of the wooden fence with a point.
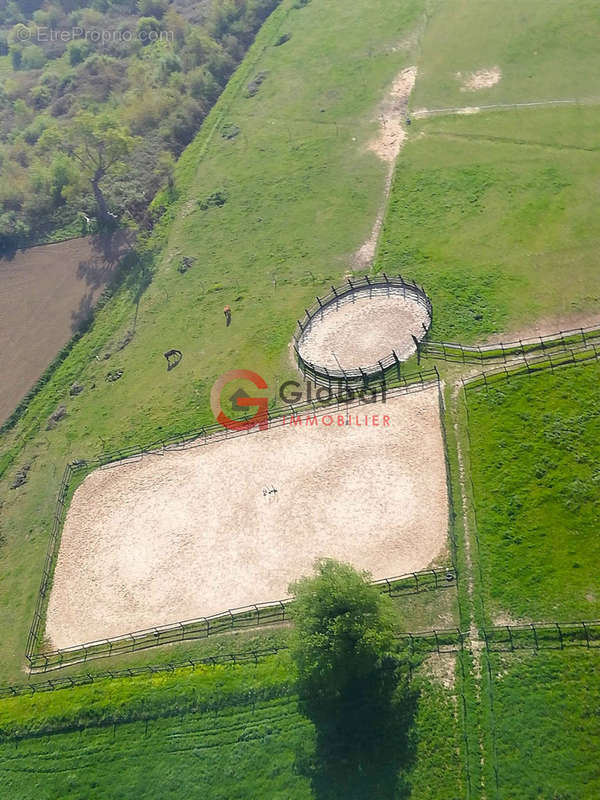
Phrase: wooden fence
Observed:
(253, 616)
(508, 351)
(390, 366)
(548, 361)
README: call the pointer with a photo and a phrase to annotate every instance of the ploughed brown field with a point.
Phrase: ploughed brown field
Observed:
(46, 293)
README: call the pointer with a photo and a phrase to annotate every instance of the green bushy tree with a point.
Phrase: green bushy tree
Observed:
(343, 629)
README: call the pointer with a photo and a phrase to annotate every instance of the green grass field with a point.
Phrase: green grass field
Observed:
(492, 214)
(533, 451)
(546, 725)
(227, 732)
(545, 49)
(495, 213)
(297, 207)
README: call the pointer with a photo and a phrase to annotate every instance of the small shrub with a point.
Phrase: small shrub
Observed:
(218, 198)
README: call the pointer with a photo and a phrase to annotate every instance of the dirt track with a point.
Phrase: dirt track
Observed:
(192, 533)
(45, 294)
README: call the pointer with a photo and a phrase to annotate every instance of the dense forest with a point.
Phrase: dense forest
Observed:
(97, 99)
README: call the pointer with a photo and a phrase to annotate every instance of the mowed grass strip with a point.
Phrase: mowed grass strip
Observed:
(534, 448)
(546, 724)
(222, 733)
(301, 191)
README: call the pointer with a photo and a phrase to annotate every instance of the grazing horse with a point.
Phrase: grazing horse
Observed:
(173, 358)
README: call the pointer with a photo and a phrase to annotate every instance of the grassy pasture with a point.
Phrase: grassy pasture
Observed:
(546, 50)
(546, 725)
(230, 732)
(533, 452)
(492, 214)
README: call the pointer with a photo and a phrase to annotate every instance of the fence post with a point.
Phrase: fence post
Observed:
(559, 630)
(535, 636)
(587, 633)
(512, 646)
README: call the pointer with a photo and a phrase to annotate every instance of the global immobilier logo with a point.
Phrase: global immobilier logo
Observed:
(260, 418)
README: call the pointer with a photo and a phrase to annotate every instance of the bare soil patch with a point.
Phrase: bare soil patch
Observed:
(391, 116)
(359, 333)
(441, 668)
(481, 79)
(387, 145)
(192, 533)
(46, 293)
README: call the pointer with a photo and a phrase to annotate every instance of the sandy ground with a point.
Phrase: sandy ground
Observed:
(45, 294)
(359, 333)
(192, 533)
(387, 145)
(482, 79)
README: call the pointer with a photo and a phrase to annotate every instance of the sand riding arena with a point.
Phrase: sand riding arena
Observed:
(361, 329)
(227, 521)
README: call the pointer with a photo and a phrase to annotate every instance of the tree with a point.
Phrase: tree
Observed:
(356, 692)
(152, 8)
(100, 146)
(343, 630)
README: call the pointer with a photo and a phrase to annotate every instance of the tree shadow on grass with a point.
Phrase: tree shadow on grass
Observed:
(364, 745)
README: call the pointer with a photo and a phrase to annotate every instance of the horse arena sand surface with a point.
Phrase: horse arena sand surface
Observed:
(359, 332)
(191, 533)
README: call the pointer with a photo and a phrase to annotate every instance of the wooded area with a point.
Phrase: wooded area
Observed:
(98, 98)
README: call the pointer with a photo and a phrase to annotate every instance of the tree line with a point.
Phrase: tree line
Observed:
(99, 98)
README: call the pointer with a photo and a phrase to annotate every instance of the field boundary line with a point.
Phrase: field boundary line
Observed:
(534, 636)
(422, 113)
(509, 351)
(569, 357)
